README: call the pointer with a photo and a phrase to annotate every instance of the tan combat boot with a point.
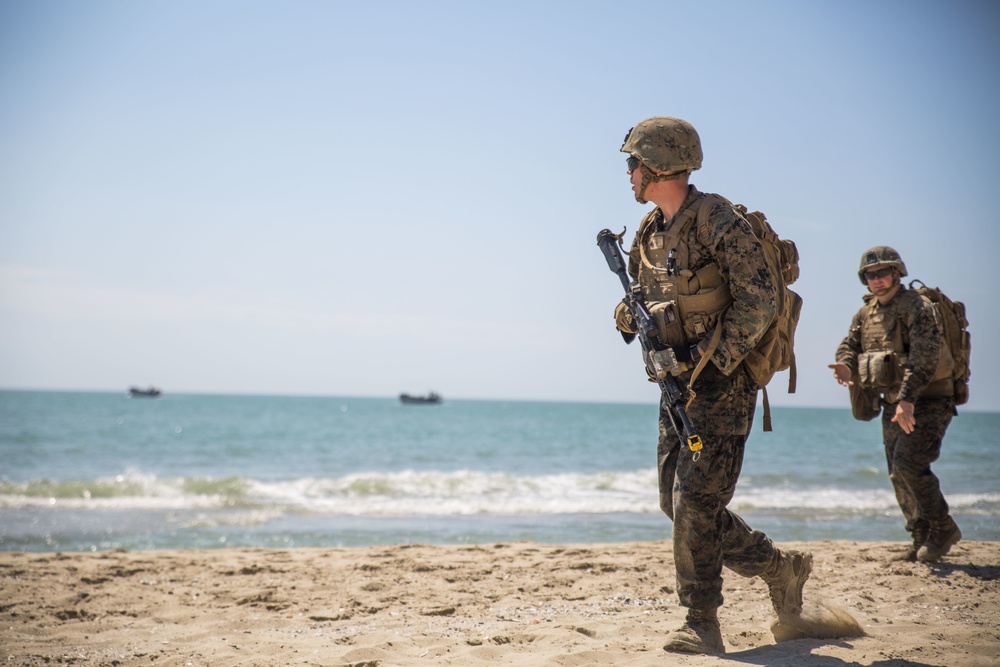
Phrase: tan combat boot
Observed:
(920, 534)
(944, 535)
(699, 634)
(785, 579)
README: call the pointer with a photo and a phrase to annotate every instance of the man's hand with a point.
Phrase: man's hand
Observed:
(623, 319)
(842, 374)
(904, 416)
(688, 355)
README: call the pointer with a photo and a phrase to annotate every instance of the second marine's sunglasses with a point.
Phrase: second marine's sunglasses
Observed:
(632, 162)
(881, 273)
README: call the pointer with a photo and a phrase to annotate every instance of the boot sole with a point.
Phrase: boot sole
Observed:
(805, 570)
(688, 640)
(692, 648)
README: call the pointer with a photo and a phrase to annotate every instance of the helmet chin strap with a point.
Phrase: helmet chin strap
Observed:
(648, 177)
(896, 282)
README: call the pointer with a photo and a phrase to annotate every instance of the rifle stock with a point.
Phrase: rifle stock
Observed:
(670, 391)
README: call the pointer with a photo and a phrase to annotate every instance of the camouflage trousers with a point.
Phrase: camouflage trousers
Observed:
(909, 456)
(706, 535)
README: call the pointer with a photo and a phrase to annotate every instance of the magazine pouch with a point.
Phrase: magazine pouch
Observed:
(878, 371)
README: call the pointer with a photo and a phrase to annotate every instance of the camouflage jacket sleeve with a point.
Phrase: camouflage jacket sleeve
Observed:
(850, 347)
(921, 331)
(743, 265)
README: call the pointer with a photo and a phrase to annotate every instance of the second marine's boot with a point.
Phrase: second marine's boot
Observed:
(944, 535)
(699, 634)
(785, 577)
(920, 533)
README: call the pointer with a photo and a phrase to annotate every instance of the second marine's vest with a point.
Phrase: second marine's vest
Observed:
(885, 343)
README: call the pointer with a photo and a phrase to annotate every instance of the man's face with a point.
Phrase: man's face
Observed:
(634, 174)
(880, 279)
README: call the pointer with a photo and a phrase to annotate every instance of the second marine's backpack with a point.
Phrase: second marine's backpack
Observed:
(954, 334)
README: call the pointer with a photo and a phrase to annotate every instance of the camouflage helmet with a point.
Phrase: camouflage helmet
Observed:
(665, 143)
(880, 255)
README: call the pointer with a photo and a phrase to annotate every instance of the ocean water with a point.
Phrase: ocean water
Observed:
(98, 471)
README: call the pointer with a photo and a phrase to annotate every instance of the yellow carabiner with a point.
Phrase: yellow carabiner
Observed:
(694, 444)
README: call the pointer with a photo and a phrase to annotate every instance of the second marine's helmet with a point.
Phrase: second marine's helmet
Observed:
(880, 255)
(665, 143)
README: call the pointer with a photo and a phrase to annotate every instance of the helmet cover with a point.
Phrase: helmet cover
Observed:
(880, 255)
(665, 143)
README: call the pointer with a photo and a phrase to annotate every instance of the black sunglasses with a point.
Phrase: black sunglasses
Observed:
(881, 273)
(632, 162)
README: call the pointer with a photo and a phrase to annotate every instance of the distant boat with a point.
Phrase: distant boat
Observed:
(430, 398)
(152, 392)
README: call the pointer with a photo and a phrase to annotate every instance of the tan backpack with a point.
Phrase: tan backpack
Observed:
(954, 334)
(775, 351)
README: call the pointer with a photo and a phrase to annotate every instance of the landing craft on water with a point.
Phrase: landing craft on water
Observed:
(432, 397)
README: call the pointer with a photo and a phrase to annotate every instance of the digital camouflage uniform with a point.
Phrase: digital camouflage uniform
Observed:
(695, 494)
(909, 455)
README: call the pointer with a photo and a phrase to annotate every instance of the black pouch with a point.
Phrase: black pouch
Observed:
(865, 404)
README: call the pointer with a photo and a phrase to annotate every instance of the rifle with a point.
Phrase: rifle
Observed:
(661, 357)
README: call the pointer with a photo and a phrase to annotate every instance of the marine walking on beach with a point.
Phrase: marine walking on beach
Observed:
(896, 360)
(707, 286)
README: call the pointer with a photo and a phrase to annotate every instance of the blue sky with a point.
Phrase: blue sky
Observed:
(364, 198)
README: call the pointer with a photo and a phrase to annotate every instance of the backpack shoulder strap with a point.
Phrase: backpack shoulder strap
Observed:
(707, 203)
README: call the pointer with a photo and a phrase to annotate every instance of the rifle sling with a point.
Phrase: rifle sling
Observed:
(712, 345)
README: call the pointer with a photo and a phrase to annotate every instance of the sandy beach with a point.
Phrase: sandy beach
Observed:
(507, 604)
